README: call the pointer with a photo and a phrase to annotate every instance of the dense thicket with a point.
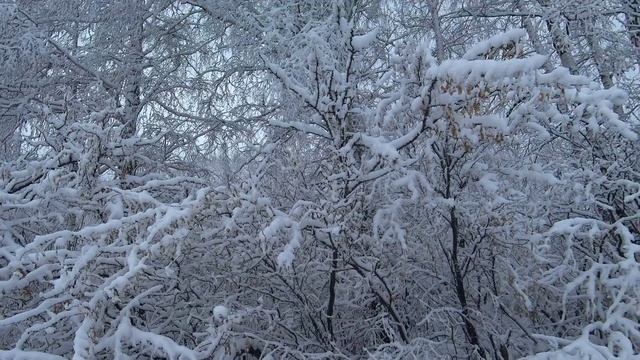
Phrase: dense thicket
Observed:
(286, 179)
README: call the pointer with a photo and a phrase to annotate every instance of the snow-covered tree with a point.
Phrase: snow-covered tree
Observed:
(319, 179)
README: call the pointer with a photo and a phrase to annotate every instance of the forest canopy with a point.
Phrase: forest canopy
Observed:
(335, 179)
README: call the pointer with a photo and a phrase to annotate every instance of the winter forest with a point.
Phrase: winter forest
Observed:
(319, 179)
